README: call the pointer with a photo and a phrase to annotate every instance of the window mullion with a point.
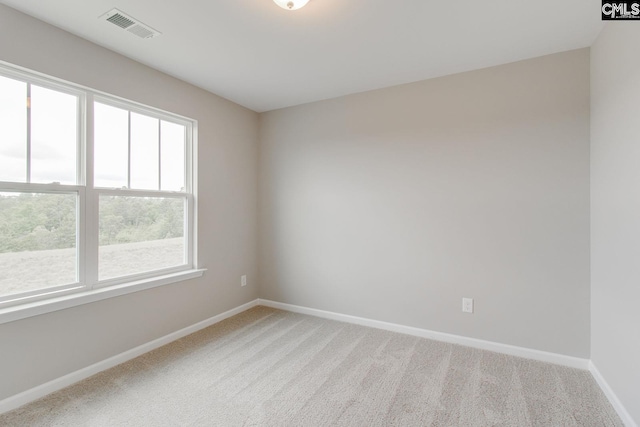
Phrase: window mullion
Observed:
(81, 164)
(129, 153)
(191, 184)
(91, 202)
(28, 132)
(159, 154)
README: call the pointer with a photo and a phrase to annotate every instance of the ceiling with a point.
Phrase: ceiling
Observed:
(264, 57)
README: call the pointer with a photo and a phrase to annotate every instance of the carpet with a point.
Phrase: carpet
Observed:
(267, 367)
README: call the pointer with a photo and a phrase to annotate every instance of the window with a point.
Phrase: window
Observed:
(95, 191)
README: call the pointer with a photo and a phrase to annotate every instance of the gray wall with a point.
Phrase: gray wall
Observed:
(615, 211)
(39, 349)
(396, 203)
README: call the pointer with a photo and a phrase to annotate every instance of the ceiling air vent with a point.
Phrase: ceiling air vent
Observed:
(130, 24)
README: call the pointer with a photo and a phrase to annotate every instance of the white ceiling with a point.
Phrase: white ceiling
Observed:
(264, 57)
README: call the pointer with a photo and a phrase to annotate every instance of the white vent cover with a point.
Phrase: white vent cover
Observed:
(129, 23)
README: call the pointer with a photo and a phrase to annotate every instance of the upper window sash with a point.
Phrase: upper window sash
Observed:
(33, 79)
(86, 96)
(129, 145)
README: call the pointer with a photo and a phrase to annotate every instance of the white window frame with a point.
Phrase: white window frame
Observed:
(88, 287)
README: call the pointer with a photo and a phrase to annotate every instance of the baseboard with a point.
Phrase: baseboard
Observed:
(558, 359)
(35, 393)
(615, 402)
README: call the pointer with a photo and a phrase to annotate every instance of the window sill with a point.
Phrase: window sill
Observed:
(13, 313)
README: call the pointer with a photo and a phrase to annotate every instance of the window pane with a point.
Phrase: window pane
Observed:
(144, 152)
(13, 130)
(37, 241)
(140, 234)
(172, 156)
(111, 146)
(54, 136)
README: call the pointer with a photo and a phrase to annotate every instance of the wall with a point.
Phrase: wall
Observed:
(42, 348)
(396, 203)
(615, 211)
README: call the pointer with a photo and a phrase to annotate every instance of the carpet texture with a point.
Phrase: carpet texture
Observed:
(266, 367)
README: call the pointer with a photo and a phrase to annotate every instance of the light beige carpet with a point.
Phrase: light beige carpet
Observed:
(266, 367)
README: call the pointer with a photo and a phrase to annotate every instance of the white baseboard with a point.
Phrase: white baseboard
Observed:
(35, 393)
(615, 402)
(558, 359)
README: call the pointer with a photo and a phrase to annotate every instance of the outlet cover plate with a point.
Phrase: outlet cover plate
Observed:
(467, 305)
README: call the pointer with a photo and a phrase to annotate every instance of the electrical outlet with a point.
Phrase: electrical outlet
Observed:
(243, 280)
(467, 305)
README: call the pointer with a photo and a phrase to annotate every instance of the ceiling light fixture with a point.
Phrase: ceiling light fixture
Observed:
(291, 4)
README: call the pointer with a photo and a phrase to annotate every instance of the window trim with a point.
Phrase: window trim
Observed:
(63, 301)
(88, 287)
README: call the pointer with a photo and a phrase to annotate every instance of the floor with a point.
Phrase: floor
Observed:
(266, 367)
